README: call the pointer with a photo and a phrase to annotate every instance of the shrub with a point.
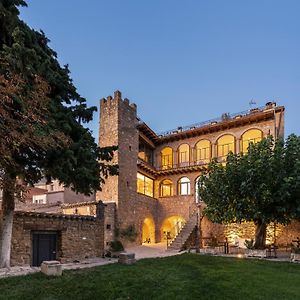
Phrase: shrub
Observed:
(129, 233)
(296, 249)
(116, 246)
(249, 244)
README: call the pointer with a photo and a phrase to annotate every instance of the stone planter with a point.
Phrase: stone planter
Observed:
(255, 253)
(51, 268)
(295, 257)
(211, 251)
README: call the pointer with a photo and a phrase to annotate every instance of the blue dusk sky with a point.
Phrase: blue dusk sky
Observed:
(181, 62)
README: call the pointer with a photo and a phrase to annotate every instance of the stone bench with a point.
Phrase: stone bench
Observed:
(127, 258)
(51, 268)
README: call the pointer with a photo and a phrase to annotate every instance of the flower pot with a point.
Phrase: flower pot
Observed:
(256, 253)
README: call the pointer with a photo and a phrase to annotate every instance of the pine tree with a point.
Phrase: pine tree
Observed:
(42, 121)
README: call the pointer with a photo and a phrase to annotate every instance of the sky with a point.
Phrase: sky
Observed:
(181, 62)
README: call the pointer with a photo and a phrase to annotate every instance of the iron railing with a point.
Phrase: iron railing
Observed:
(224, 117)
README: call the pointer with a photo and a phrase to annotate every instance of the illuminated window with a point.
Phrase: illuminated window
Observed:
(203, 151)
(225, 144)
(167, 158)
(166, 188)
(183, 155)
(145, 153)
(144, 185)
(142, 155)
(184, 186)
(250, 136)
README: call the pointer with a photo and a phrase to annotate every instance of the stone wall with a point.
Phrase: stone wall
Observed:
(81, 208)
(79, 237)
(134, 211)
(287, 234)
(276, 233)
(109, 136)
(109, 223)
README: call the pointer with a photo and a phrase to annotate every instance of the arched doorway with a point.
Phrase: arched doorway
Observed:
(148, 231)
(171, 227)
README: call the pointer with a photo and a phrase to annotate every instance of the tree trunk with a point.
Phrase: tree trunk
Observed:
(260, 235)
(8, 206)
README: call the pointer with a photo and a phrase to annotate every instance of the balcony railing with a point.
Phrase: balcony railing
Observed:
(224, 117)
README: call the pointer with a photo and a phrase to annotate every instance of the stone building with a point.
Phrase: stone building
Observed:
(156, 191)
(37, 237)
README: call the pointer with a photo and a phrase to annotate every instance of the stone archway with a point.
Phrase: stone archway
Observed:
(148, 231)
(171, 227)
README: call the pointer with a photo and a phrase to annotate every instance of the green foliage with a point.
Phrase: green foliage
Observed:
(249, 244)
(42, 114)
(262, 186)
(129, 233)
(116, 246)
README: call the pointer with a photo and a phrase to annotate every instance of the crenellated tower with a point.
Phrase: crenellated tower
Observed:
(118, 126)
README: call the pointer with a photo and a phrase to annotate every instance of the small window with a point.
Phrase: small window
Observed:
(166, 188)
(183, 155)
(108, 226)
(144, 185)
(167, 158)
(184, 186)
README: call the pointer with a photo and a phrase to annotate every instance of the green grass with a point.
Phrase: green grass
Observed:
(188, 276)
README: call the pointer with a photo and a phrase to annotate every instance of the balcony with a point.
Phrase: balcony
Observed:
(179, 168)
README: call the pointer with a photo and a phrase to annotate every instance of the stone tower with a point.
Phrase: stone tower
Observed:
(118, 126)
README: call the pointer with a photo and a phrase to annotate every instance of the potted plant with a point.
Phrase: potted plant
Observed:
(252, 252)
(116, 247)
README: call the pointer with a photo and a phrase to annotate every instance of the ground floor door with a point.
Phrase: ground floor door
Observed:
(44, 247)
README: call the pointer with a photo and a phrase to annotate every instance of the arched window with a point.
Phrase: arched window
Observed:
(183, 155)
(166, 188)
(184, 186)
(203, 152)
(167, 158)
(225, 144)
(250, 136)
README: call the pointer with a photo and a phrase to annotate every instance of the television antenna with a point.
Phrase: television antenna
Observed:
(252, 103)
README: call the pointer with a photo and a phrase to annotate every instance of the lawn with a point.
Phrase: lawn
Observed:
(187, 276)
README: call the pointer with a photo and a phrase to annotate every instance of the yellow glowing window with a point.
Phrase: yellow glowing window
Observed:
(142, 155)
(225, 144)
(250, 136)
(184, 186)
(203, 151)
(144, 185)
(166, 188)
(183, 154)
(167, 158)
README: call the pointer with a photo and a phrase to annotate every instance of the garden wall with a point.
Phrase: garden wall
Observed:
(78, 237)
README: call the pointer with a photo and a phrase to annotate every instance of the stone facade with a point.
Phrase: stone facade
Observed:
(79, 237)
(119, 125)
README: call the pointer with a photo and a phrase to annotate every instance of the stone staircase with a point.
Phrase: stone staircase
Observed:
(184, 234)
